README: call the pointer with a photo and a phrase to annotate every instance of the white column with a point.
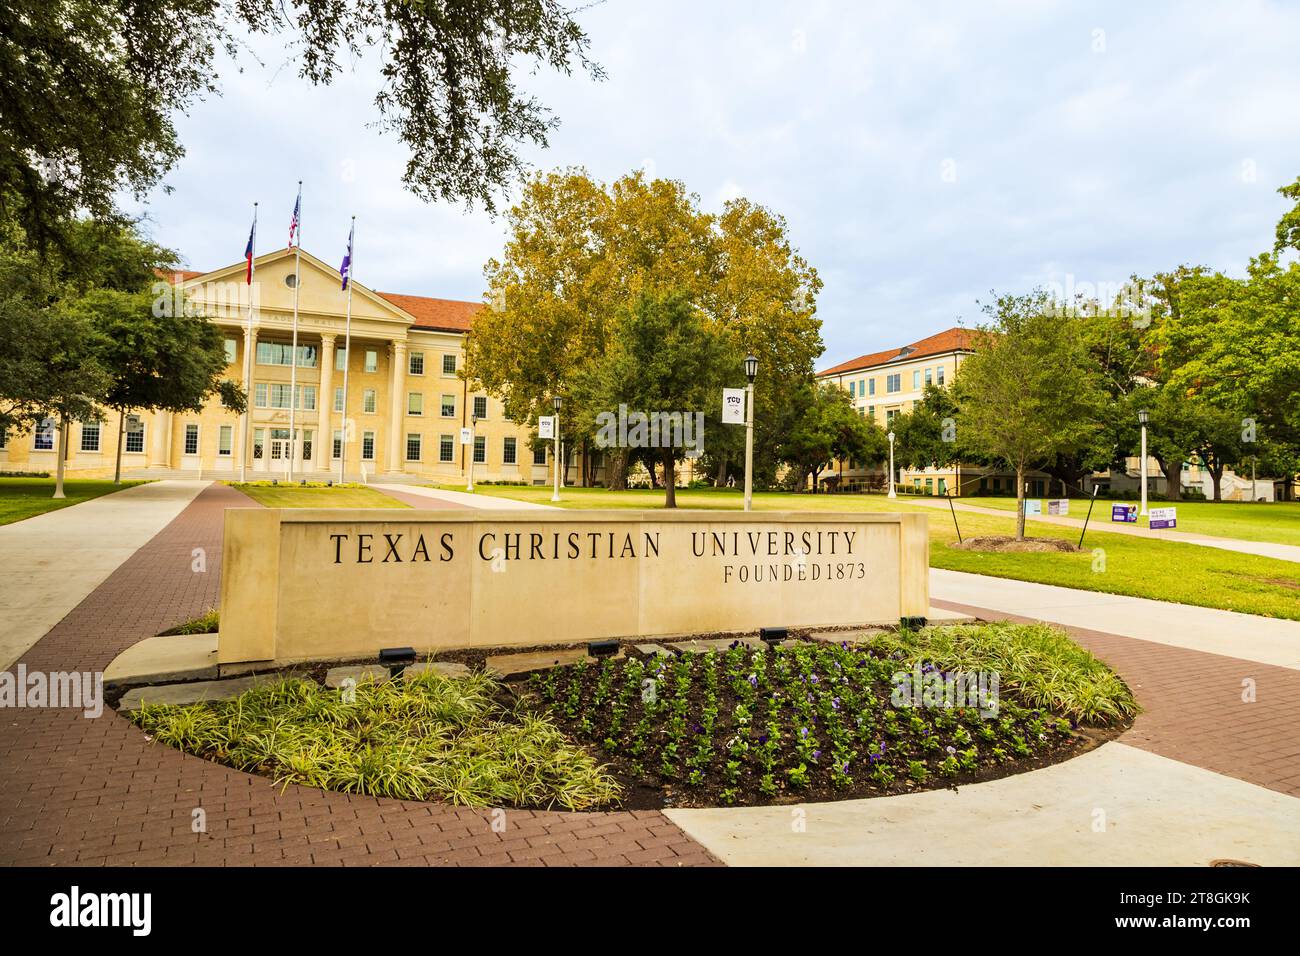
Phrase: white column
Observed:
(246, 431)
(325, 405)
(397, 403)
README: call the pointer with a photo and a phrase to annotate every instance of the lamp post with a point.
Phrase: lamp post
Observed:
(556, 402)
(751, 370)
(892, 493)
(1143, 417)
(473, 446)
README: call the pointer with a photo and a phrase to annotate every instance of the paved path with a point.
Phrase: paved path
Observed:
(1264, 639)
(1100, 522)
(457, 499)
(50, 562)
(95, 791)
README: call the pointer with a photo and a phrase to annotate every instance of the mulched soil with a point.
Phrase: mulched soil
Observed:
(1003, 543)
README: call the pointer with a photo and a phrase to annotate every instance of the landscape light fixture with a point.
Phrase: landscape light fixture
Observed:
(1143, 417)
(602, 648)
(911, 623)
(556, 402)
(772, 636)
(751, 367)
(396, 659)
(892, 493)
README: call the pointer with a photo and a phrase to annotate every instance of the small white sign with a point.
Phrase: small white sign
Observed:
(733, 406)
(1058, 506)
(546, 426)
(467, 436)
(1033, 506)
(1162, 518)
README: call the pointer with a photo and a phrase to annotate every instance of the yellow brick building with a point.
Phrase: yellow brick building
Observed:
(407, 400)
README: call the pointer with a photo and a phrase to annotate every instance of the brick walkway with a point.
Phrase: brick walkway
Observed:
(95, 792)
(1192, 703)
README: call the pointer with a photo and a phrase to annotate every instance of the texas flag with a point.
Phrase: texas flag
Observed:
(248, 251)
(345, 270)
(296, 222)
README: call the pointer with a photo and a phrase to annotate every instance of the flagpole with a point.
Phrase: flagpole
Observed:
(293, 367)
(347, 356)
(248, 360)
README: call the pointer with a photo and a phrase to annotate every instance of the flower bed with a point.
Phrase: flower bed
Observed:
(816, 721)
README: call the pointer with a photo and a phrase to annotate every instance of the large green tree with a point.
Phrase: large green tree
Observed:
(1029, 392)
(821, 426)
(578, 252)
(89, 89)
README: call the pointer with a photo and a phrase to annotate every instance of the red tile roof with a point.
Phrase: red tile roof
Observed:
(949, 340)
(185, 274)
(446, 315)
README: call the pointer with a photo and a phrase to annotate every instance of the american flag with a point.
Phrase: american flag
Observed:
(295, 222)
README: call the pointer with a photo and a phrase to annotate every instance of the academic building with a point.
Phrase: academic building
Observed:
(406, 401)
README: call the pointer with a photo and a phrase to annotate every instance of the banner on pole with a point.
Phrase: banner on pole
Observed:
(733, 406)
(546, 427)
(467, 436)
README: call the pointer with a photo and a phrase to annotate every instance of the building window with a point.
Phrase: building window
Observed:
(916, 378)
(890, 415)
(259, 442)
(279, 395)
(449, 406)
(340, 360)
(307, 437)
(539, 454)
(415, 403)
(191, 439)
(412, 447)
(338, 444)
(871, 412)
(368, 401)
(871, 386)
(943, 486)
(415, 363)
(231, 351)
(929, 378)
(372, 360)
(449, 365)
(510, 451)
(259, 395)
(225, 440)
(4, 438)
(939, 374)
(90, 436)
(338, 398)
(480, 407)
(135, 441)
(446, 448)
(368, 446)
(480, 450)
(279, 353)
(894, 383)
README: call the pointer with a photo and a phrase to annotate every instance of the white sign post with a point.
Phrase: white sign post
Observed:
(733, 406)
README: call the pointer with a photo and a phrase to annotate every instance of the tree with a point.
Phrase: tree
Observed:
(89, 89)
(824, 426)
(1029, 391)
(578, 251)
(663, 357)
(159, 359)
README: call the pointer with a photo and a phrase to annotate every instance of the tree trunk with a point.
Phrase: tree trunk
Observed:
(121, 431)
(1020, 502)
(616, 469)
(1216, 476)
(721, 480)
(670, 479)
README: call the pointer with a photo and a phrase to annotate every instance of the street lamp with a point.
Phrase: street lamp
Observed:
(892, 493)
(751, 370)
(473, 446)
(1143, 418)
(556, 402)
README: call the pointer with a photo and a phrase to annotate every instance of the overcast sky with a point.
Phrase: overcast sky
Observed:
(923, 154)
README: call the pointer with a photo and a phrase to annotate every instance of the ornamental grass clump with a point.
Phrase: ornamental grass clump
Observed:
(426, 738)
(1039, 661)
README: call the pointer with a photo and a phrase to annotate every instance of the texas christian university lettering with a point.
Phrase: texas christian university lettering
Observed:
(301, 584)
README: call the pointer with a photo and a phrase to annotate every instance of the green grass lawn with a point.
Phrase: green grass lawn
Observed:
(317, 496)
(26, 497)
(1139, 567)
(1277, 521)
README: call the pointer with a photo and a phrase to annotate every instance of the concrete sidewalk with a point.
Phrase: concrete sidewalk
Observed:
(1266, 640)
(1114, 806)
(50, 562)
(460, 499)
(1100, 522)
